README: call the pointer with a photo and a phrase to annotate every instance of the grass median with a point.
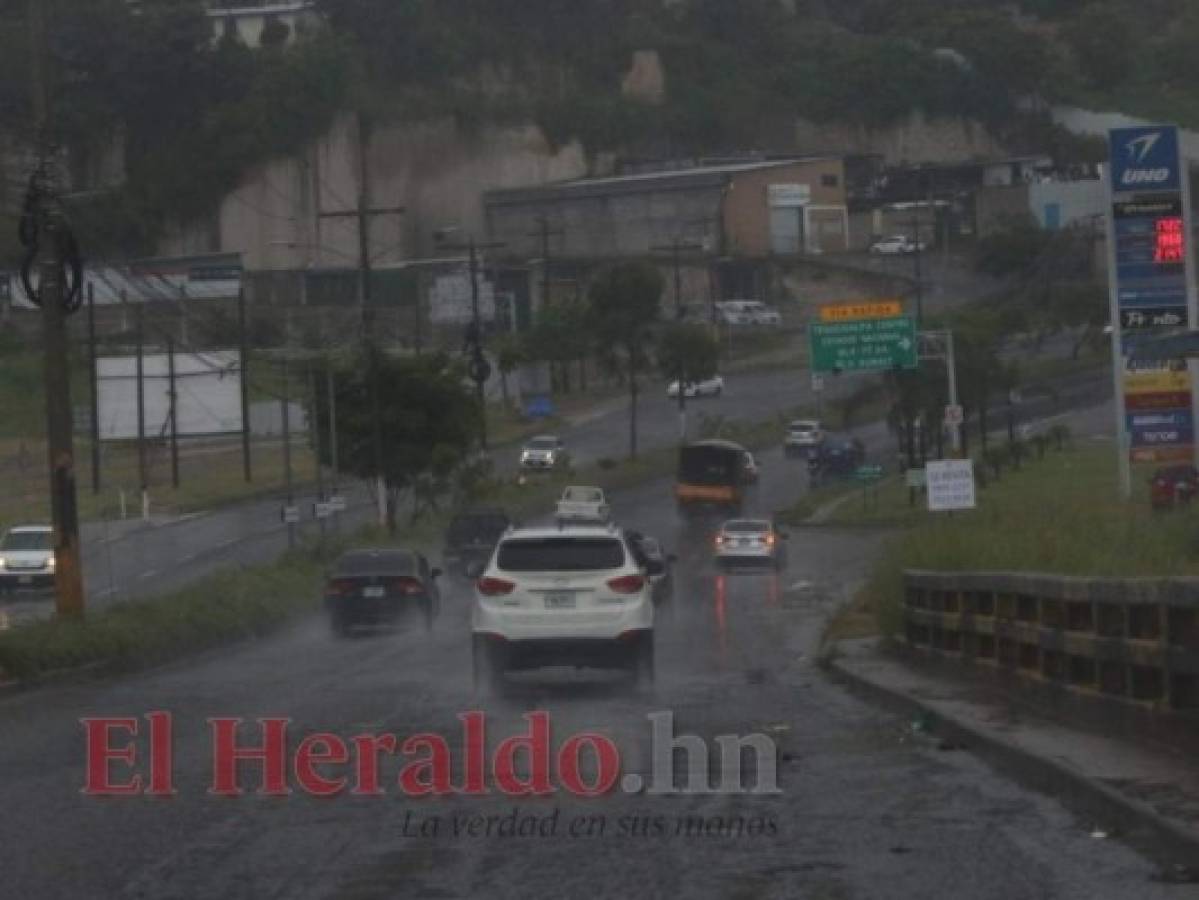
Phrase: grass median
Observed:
(1059, 514)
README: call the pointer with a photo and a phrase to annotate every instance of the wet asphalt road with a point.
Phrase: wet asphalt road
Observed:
(867, 809)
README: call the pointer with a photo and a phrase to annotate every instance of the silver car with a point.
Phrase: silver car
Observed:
(750, 541)
(544, 452)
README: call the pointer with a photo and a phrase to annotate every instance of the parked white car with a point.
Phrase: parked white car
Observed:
(709, 387)
(746, 312)
(582, 504)
(27, 558)
(576, 597)
(895, 245)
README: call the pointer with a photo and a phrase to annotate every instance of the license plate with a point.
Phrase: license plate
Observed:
(559, 601)
(373, 592)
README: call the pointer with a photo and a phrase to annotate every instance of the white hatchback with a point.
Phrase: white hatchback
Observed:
(708, 387)
(27, 558)
(576, 596)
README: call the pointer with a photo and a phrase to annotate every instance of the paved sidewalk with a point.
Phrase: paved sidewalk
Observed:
(1143, 791)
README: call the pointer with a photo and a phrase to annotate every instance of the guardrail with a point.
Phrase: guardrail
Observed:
(1134, 640)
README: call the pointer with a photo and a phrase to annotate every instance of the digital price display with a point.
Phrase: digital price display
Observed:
(1169, 245)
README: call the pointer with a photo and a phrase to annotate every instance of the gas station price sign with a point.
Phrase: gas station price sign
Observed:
(1150, 253)
(1170, 245)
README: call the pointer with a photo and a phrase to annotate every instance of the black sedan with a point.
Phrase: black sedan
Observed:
(381, 587)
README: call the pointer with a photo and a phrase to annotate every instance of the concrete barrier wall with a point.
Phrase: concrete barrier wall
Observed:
(1128, 640)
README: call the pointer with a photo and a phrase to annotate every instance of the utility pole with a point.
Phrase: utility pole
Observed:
(173, 399)
(543, 234)
(363, 214)
(142, 478)
(916, 259)
(285, 413)
(94, 382)
(331, 392)
(675, 248)
(57, 299)
(479, 367)
(243, 355)
(314, 435)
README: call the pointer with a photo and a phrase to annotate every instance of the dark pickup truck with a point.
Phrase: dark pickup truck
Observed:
(472, 537)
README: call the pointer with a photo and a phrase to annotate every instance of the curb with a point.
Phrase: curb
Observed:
(1130, 821)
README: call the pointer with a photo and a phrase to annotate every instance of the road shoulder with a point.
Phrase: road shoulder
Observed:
(1145, 796)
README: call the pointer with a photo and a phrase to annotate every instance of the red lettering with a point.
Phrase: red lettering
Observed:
(162, 752)
(367, 748)
(536, 744)
(430, 775)
(474, 747)
(321, 750)
(607, 765)
(226, 753)
(100, 752)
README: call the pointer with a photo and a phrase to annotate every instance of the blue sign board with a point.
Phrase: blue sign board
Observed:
(1161, 427)
(539, 407)
(1145, 159)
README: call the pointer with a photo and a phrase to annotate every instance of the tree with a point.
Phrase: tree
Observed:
(509, 354)
(1100, 39)
(625, 301)
(429, 420)
(687, 352)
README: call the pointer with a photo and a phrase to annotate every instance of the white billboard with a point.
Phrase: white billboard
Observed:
(450, 299)
(207, 387)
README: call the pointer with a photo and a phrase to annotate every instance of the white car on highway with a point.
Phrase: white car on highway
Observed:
(27, 558)
(746, 312)
(895, 245)
(750, 541)
(803, 436)
(574, 597)
(708, 387)
(582, 504)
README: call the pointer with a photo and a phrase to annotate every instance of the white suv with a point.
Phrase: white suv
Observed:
(579, 596)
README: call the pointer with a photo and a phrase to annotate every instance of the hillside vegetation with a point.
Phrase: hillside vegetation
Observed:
(194, 115)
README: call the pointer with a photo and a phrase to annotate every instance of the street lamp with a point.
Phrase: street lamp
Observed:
(480, 368)
(675, 248)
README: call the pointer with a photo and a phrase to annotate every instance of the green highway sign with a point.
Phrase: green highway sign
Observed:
(868, 473)
(865, 346)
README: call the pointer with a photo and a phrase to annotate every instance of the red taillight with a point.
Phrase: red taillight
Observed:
(719, 539)
(409, 586)
(626, 584)
(770, 540)
(494, 587)
(341, 586)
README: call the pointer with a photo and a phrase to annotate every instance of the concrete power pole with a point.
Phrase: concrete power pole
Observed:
(57, 300)
(363, 214)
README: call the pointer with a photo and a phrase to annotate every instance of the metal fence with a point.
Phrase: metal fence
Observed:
(1134, 640)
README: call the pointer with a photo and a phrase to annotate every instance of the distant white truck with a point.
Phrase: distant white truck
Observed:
(582, 504)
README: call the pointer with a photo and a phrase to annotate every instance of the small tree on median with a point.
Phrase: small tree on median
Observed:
(624, 302)
(428, 422)
(688, 352)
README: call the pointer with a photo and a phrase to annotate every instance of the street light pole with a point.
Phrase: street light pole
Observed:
(480, 368)
(675, 248)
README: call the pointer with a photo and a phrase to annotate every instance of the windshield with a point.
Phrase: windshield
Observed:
(745, 526)
(27, 540)
(564, 554)
(706, 465)
(542, 444)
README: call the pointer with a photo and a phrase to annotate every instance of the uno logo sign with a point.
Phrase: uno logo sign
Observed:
(1145, 158)
(1137, 177)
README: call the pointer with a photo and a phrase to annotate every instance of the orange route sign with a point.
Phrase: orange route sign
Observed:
(865, 309)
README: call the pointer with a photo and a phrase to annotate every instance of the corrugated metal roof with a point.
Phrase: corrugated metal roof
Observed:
(672, 179)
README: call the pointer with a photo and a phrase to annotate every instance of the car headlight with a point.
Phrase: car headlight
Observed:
(3, 562)
(50, 563)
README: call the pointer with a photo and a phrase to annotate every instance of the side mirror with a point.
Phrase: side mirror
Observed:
(654, 567)
(474, 569)
(435, 572)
